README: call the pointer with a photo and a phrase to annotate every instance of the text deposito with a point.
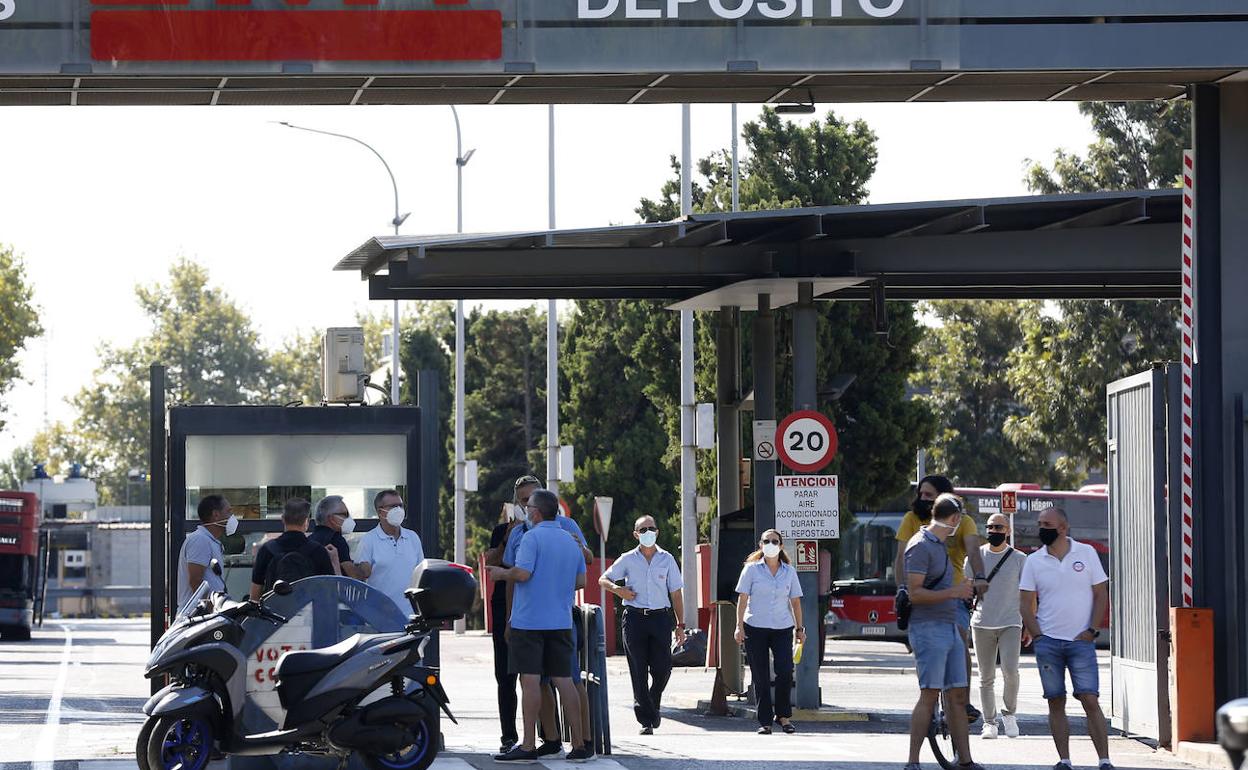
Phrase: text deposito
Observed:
(735, 9)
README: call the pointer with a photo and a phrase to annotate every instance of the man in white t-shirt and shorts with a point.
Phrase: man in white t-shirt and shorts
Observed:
(1067, 580)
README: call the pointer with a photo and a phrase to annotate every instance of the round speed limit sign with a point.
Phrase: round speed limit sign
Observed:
(806, 440)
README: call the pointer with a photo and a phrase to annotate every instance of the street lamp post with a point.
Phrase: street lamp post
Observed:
(398, 221)
(461, 160)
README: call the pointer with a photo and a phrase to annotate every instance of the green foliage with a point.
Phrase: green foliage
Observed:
(56, 447)
(211, 353)
(19, 319)
(1139, 146)
(1060, 372)
(965, 374)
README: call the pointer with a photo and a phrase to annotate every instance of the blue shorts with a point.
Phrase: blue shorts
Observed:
(964, 615)
(1055, 656)
(939, 655)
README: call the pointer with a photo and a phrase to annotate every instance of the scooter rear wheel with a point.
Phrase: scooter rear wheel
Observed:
(180, 743)
(417, 755)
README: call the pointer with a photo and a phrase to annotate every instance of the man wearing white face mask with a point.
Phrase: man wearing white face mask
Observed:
(333, 523)
(387, 554)
(651, 591)
(203, 545)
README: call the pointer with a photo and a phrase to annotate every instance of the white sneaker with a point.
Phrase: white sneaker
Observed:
(1010, 724)
(989, 732)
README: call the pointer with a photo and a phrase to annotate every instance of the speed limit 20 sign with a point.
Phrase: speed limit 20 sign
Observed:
(806, 440)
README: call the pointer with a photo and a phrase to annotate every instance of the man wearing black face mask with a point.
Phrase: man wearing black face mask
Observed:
(997, 625)
(1068, 581)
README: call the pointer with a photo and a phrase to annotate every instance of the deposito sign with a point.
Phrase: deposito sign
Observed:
(808, 507)
(807, 441)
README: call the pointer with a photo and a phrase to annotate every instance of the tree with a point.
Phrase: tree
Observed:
(56, 448)
(965, 358)
(823, 163)
(1060, 373)
(19, 320)
(295, 370)
(211, 353)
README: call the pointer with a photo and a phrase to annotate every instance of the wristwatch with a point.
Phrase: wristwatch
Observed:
(1095, 632)
(980, 576)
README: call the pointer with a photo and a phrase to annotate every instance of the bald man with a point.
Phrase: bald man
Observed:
(997, 626)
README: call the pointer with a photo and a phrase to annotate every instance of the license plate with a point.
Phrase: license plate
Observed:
(874, 630)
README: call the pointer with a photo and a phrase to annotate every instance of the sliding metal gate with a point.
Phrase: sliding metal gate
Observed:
(1138, 416)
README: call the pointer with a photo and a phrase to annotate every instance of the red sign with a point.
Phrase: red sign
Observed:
(1009, 502)
(807, 441)
(359, 32)
(806, 556)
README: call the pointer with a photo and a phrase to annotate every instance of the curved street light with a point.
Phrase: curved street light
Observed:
(398, 221)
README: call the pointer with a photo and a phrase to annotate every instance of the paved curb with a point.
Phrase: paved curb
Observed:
(799, 715)
(1208, 755)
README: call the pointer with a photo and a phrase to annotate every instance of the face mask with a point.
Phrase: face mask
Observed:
(949, 527)
(923, 509)
(771, 550)
(348, 525)
(231, 524)
(648, 539)
(395, 516)
(996, 538)
(1048, 536)
(519, 514)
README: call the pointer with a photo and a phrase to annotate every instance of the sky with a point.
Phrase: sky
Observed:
(99, 199)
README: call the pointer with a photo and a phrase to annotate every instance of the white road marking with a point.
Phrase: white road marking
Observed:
(597, 763)
(45, 746)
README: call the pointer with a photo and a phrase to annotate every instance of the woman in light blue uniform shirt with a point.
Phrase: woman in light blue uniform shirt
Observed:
(769, 607)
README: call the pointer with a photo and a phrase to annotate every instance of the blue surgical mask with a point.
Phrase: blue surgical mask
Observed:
(648, 539)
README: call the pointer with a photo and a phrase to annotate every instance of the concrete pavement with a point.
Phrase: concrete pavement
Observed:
(76, 706)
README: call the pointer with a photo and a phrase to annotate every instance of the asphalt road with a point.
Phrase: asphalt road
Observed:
(71, 699)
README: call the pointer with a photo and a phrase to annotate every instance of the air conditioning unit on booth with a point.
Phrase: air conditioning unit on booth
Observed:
(342, 365)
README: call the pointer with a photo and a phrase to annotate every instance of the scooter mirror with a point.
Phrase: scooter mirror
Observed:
(1233, 730)
(282, 588)
(215, 566)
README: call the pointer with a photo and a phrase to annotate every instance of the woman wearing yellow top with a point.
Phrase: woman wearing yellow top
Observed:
(962, 544)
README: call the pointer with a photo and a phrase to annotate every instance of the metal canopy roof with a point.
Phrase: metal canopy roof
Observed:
(1114, 245)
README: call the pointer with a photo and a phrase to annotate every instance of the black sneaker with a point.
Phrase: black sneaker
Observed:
(579, 755)
(548, 748)
(647, 730)
(589, 747)
(506, 747)
(518, 755)
(972, 714)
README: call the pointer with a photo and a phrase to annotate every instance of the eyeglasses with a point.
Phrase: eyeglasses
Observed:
(344, 514)
(647, 529)
(388, 507)
(770, 542)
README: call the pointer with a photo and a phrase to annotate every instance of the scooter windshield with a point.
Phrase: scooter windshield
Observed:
(188, 609)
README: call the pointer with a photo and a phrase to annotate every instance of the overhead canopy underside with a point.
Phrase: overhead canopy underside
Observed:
(1121, 245)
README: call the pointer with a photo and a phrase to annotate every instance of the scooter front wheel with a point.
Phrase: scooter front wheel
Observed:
(180, 743)
(141, 745)
(417, 755)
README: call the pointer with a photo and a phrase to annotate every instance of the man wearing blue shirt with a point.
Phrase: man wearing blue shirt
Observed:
(549, 568)
(651, 590)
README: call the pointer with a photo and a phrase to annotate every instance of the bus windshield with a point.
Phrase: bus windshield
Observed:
(16, 576)
(868, 547)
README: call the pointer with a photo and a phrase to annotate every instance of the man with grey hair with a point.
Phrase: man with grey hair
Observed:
(997, 627)
(333, 521)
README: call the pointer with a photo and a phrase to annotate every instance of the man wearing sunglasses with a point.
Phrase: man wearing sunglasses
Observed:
(651, 591)
(997, 625)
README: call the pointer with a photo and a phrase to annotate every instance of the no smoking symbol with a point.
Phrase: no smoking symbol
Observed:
(766, 450)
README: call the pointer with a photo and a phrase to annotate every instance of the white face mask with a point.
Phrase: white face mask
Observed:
(648, 539)
(395, 516)
(950, 527)
(771, 550)
(519, 514)
(231, 524)
(348, 525)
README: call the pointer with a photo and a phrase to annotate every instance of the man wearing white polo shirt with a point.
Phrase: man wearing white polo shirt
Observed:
(388, 553)
(1066, 578)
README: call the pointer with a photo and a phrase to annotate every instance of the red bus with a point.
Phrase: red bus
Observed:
(19, 546)
(861, 604)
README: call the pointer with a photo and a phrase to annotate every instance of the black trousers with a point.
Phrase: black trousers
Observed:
(507, 699)
(779, 643)
(648, 646)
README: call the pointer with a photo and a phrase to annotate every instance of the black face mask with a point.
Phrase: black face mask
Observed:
(923, 509)
(996, 538)
(1048, 536)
